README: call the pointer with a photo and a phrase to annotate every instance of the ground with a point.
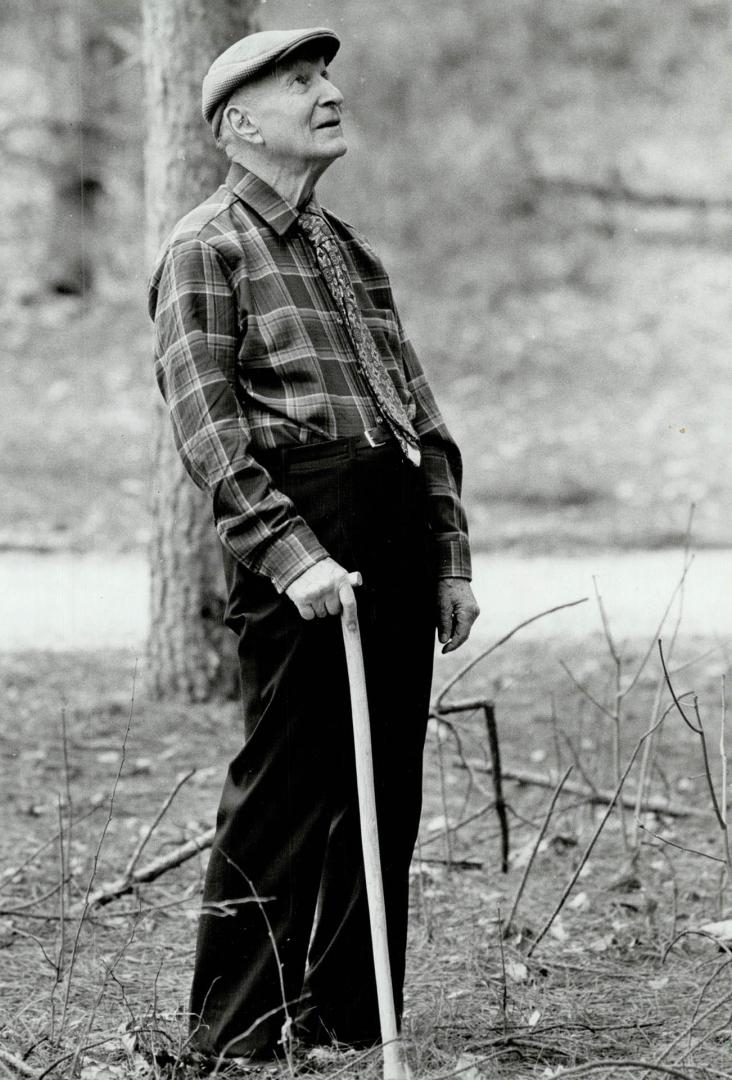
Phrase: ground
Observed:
(620, 976)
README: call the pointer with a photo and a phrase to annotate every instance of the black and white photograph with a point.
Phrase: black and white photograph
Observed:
(366, 539)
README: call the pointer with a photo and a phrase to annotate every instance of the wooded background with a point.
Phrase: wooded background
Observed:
(548, 182)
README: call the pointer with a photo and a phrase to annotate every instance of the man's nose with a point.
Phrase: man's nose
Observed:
(330, 94)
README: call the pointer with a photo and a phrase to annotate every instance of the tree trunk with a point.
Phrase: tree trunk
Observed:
(189, 654)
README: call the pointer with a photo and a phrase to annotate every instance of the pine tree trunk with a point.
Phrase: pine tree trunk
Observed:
(189, 655)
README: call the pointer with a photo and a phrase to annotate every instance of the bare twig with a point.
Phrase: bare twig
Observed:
(696, 1020)
(460, 824)
(495, 752)
(677, 591)
(723, 799)
(698, 728)
(577, 761)
(22, 908)
(61, 898)
(438, 702)
(535, 848)
(443, 795)
(605, 622)
(672, 691)
(69, 803)
(583, 690)
(154, 869)
(586, 853)
(135, 857)
(473, 782)
(680, 847)
(504, 984)
(700, 998)
(285, 1004)
(600, 796)
(98, 851)
(454, 864)
(691, 932)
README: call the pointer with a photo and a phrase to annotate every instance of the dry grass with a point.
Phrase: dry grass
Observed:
(611, 981)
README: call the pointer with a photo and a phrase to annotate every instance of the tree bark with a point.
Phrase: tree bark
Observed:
(189, 653)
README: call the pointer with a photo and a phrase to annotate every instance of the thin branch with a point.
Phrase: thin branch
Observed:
(697, 1020)
(590, 697)
(678, 591)
(670, 686)
(680, 847)
(492, 648)
(154, 869)
(443, 796)
(495, 752)
(605, 622)
(98, 851)
(535, 848)
(598, 796)
(586, 853)
(135, 857)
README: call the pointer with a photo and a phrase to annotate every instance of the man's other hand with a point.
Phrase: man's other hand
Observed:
(457, 610)
(325, 589)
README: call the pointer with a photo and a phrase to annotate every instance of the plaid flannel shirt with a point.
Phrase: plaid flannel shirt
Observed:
(251, 354)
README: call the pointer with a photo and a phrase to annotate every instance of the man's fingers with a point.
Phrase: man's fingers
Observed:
(460, 632)
(316, 593)
(345, 595)
(333, 605)
(347, 598)
(444, 619)
(464, 619)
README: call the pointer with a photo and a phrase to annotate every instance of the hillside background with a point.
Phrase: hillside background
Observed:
(550, 185)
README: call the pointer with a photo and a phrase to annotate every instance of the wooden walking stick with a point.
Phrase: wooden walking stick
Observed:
(395, 1063)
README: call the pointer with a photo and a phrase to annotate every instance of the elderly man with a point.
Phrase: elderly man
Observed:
(298, 402)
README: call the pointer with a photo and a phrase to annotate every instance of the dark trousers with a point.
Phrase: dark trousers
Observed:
(285, 916)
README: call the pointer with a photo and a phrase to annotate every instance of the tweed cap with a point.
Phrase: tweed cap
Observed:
(250, 57)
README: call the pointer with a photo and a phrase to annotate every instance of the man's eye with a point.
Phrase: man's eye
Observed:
(302, 79)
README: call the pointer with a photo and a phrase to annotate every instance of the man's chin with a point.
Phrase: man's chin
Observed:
(335, 149)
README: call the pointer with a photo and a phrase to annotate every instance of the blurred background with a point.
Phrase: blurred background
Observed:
(549, 184)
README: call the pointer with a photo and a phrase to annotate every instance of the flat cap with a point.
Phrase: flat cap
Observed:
(251, 56)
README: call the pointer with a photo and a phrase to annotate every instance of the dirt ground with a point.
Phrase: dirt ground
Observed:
(621, 982)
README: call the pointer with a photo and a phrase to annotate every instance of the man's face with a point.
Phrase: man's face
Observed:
(298, 111)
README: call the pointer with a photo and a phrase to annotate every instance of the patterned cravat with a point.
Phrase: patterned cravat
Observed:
(333, 267)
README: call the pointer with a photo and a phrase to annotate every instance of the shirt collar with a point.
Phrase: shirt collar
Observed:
(264, 200)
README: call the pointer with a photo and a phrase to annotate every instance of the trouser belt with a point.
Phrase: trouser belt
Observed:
(371, 439)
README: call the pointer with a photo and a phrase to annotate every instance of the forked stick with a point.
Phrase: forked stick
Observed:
(395, 1063)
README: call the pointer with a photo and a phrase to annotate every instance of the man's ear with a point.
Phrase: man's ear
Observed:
(244, 124)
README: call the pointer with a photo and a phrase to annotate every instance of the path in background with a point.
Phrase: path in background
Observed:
(66, 601)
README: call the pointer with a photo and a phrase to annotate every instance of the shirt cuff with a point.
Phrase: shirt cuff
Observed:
(289, 556)
(453, 555)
